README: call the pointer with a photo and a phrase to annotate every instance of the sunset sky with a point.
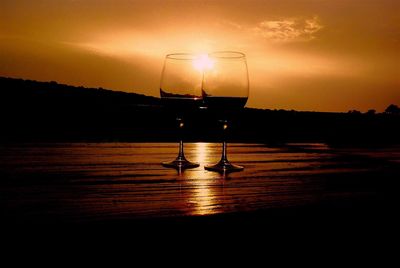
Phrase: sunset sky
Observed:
(318, 55)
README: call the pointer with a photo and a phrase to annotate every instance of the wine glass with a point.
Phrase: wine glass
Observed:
(180, 91)
(225, 91)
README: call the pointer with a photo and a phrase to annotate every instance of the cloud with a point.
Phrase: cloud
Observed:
(288, 29)
(230, 24)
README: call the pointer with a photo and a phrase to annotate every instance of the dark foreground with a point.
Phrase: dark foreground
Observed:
(123, 183)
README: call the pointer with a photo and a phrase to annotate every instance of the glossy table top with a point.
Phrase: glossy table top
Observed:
(90, 182)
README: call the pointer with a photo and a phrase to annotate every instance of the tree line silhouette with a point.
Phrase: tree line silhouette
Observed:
(32, 111)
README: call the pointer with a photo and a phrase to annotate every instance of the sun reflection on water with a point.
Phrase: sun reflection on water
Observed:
(205, 188)
(202, 151)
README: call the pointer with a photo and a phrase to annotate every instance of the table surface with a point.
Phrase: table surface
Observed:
(89, 182)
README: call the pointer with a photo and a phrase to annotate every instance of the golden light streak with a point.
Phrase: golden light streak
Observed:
(204, 183)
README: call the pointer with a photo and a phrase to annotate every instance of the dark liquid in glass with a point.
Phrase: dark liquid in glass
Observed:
(224, 103)
(180, 103)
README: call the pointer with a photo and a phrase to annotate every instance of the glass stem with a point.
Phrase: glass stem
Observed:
(224, 157)
(181, 155)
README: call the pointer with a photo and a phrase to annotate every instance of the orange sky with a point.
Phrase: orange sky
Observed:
(321, 55)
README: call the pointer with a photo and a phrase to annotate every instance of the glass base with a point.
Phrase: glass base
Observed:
(180, 163)
(224, 166)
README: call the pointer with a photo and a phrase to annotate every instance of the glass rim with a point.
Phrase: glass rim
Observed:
(181, 56)
(227, 54)
(223, 54)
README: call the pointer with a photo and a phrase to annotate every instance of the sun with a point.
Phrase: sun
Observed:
(203, 62)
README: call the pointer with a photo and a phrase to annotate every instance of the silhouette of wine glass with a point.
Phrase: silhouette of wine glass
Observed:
(180, 91)
(225, 91)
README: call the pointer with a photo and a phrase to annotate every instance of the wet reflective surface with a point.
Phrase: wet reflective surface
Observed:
(79, 182)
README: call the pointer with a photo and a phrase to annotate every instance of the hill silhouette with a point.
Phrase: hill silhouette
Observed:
(33, 111)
